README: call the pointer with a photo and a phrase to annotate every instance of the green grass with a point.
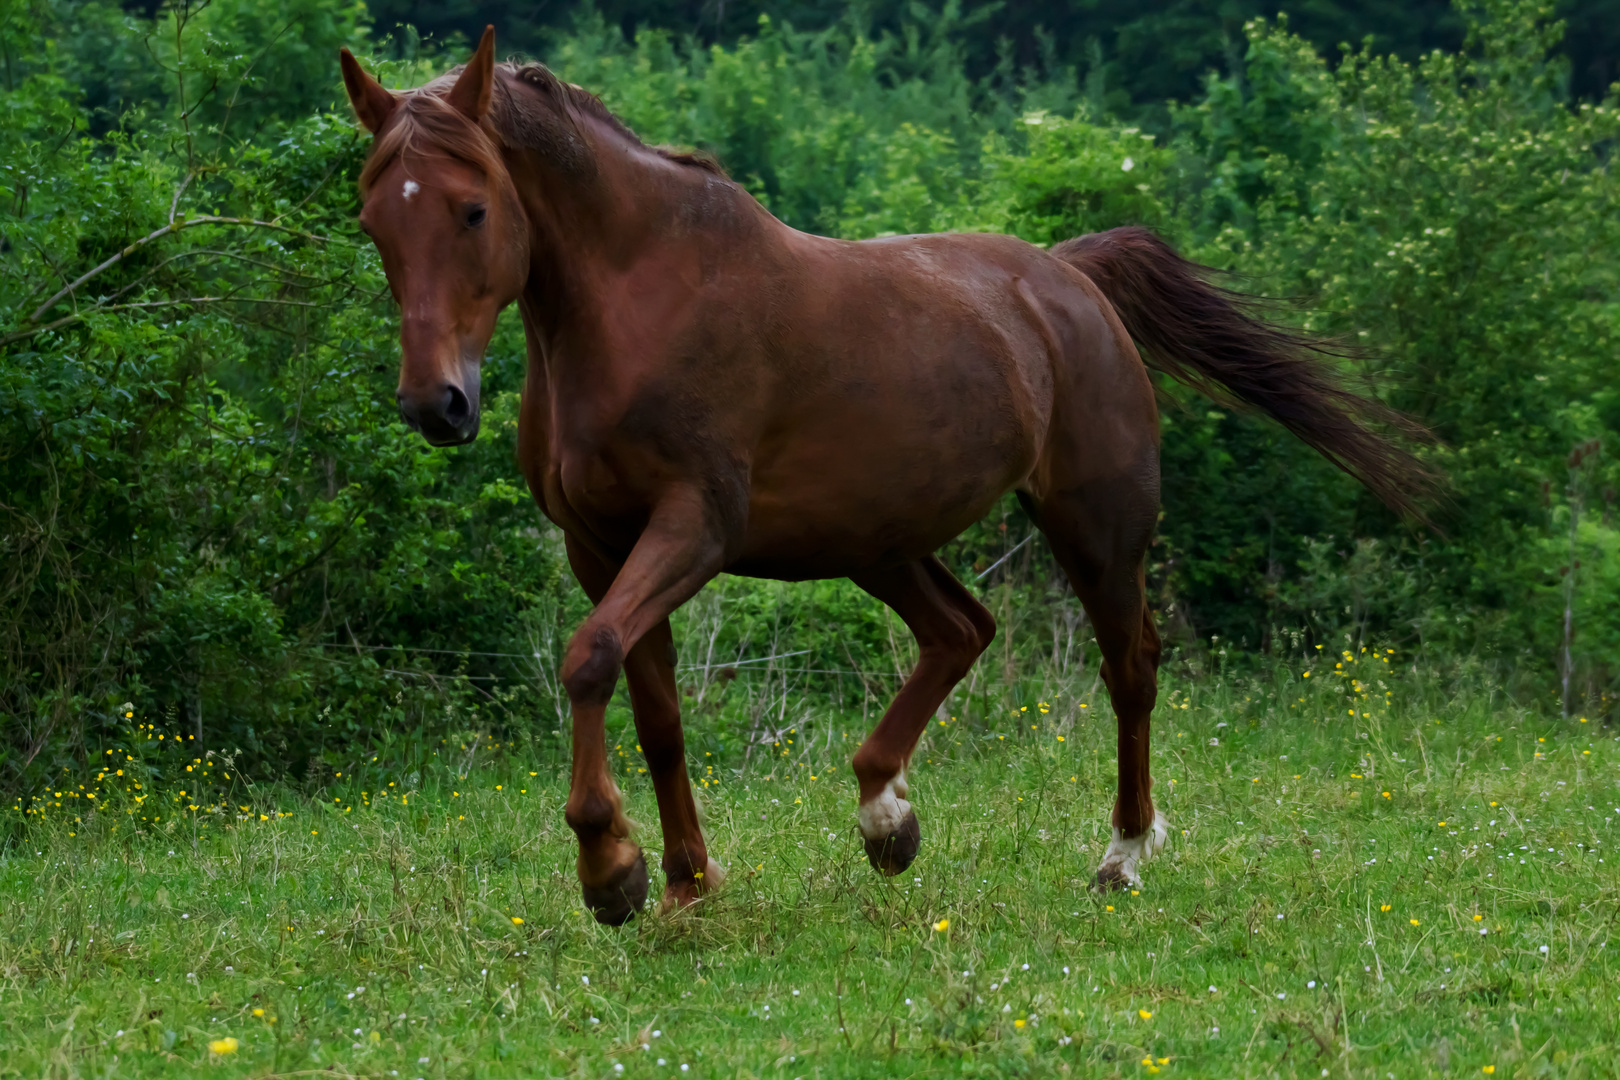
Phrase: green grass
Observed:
(1259, 946)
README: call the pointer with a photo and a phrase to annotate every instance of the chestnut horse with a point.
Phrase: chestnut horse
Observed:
(710, 391)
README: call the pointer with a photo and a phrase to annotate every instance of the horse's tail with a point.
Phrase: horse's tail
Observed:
(1215, 341)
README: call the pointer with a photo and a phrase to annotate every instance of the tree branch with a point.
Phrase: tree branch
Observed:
(76, 316)
(172, 227)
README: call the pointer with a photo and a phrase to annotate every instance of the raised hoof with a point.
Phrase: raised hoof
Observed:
(892, 854)
(617, 904)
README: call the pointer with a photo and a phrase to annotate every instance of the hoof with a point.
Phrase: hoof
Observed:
(617, 904)
(1112, 876)
(1118, 869)
(893, 853)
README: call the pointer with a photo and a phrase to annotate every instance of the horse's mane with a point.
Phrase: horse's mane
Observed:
(582, 100)
(547, 121)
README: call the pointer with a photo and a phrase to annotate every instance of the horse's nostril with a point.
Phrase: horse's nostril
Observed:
(456, 409)
(443, 417)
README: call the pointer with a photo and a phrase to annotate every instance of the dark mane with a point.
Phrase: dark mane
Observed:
(568, 98)
(426, 123)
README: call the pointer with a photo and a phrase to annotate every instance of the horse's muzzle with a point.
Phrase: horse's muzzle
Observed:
(448, 417)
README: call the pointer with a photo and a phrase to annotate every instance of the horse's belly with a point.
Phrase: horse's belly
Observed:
(886, 469)
(805, 549)
(839, 512)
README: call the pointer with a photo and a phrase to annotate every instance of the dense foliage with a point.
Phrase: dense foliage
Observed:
(209, 510)
(1135, 54)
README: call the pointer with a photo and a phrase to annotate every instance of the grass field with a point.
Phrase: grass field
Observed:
(1367, 878)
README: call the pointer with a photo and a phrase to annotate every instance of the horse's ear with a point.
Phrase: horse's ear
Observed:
(372, 104)
(470, 95)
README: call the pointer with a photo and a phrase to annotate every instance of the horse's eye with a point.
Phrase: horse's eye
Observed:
(475, 217)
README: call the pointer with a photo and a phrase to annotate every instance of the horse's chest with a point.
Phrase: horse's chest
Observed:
(586, 494)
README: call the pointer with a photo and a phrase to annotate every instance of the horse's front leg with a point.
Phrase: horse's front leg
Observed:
(649, 669)
(674, 557)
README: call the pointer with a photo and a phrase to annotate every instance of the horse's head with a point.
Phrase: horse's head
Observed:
(443, 213)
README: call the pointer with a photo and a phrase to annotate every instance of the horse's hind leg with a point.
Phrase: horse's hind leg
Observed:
(1099, 531)
(952, 629)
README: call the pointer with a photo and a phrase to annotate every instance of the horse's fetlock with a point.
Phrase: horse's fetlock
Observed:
(683, 862)
(873, 765)
(590, 814)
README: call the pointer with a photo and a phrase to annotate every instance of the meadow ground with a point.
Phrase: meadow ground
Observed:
(1367, 878)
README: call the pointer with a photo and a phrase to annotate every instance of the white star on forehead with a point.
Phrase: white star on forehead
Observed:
(411, 188)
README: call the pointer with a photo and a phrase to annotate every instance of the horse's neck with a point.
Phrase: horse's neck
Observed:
(585, 229)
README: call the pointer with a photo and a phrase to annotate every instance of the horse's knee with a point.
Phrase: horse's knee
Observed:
(1144, 666)
(590, 669)
(1140, 692)
(953, 661)
(1151, 647)
(1130, 669)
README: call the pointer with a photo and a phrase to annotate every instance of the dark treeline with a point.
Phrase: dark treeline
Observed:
(1138, 54)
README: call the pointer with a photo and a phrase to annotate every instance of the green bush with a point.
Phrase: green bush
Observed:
(210, 508)
(1458, 217)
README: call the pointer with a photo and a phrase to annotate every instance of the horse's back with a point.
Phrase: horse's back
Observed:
(1054, 340)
